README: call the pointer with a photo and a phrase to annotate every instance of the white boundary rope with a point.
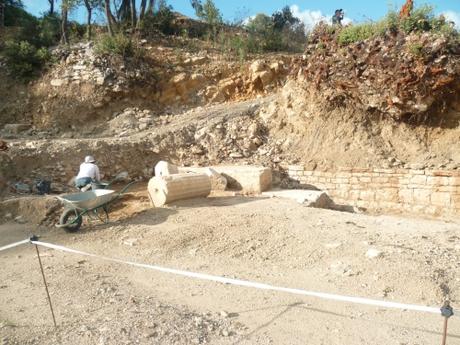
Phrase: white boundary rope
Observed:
(238, 282)
(12, 245)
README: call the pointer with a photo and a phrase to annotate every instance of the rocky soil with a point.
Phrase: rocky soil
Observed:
(409, 78)
(189, 106)
(267, 240)
(85, 88)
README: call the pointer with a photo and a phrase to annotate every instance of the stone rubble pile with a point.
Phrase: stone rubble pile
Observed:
(79, 63)
(404, 77)
(210, 141)
(130, 120)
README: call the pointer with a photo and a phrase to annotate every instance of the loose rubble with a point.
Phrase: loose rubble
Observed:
(383, 75)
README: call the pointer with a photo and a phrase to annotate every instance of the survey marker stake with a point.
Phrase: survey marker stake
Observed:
(35, 238)
(447, 312)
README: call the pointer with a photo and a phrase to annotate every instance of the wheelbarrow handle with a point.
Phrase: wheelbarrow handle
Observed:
(120, 193)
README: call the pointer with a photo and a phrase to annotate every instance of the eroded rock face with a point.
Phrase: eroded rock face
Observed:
(205, 137)
(404, 77)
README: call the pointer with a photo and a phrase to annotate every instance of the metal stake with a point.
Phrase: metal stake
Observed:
(447, 312)
(35, 238)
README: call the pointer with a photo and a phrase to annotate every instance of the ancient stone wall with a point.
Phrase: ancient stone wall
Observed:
(428, 192)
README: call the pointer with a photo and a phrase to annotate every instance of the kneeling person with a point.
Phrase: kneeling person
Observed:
(89, 172)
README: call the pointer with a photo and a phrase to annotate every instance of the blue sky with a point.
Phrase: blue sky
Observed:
(308, 10)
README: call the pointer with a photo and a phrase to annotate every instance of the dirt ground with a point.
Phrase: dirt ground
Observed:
(273, 241)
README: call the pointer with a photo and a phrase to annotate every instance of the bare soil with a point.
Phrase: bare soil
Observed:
(266, 240)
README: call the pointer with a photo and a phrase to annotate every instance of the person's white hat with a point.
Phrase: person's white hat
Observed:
(89, 159)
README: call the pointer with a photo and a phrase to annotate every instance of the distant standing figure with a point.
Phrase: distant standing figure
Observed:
(89, 172)
(406, 10)
(338, 17)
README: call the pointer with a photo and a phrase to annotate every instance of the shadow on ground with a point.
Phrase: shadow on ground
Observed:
(215, 201)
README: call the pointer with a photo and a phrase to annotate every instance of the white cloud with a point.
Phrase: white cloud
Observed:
(247, 20)
(310, 17)
(454, 17)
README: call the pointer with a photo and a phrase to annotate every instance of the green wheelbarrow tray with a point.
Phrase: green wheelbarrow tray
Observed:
(87, 200)
(94, 202)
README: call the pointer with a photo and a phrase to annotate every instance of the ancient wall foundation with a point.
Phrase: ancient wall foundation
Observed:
(428, 192)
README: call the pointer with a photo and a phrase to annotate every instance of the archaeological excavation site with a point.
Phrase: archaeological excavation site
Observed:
(169, 175)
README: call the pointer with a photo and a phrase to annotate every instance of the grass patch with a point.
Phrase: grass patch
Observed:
(119, 44)
(422, 19)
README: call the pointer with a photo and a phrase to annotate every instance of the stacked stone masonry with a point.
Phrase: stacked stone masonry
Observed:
(428, 192)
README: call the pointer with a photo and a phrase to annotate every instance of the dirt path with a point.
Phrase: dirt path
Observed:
(266, 240)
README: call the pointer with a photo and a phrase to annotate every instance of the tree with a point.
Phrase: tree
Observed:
(51, 2)
(127, 12)
(281, 31)
(262, 28)
(150, 7)
(197, 6)
(133, 13)
(12, 13)
(284, 18)
(123, 10)
(2, 14)
(260, 24)
(142, 8)
(110, 18)
(66, 7)
(90, 5)
(207, 12)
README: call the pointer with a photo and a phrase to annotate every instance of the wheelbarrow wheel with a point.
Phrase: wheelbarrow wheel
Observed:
(72, 218)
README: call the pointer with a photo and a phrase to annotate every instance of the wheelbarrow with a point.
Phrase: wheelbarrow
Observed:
(94, 204)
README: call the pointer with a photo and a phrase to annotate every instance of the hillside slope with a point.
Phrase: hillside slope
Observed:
(371, 104)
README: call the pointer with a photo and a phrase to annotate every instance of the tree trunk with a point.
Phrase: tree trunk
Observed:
(2, 14)
(151, 7)
(88, 23)
(142, 9)
(89, 11)
(124, 11)
(133, 13)
(51, 6)
(109, 16)
(64, 25)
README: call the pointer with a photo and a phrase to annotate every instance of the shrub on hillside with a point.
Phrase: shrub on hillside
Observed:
(118, 44)
(238, 44)
(422, 19)
(160, 21)
(277, 33)
(76, 31)
(24, 59)
(49, 30)
(355, 33)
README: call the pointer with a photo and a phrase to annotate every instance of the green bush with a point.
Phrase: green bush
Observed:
(390, 22)
(160, 21)
(49, 30)
(118, 44)
(268, 37)
(416, 49)
(24, 59)
(357, 33)
(76, 31)
(421, 19)
(239, 45)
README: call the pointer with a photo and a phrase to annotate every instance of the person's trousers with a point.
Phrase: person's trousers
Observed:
(83, 181)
